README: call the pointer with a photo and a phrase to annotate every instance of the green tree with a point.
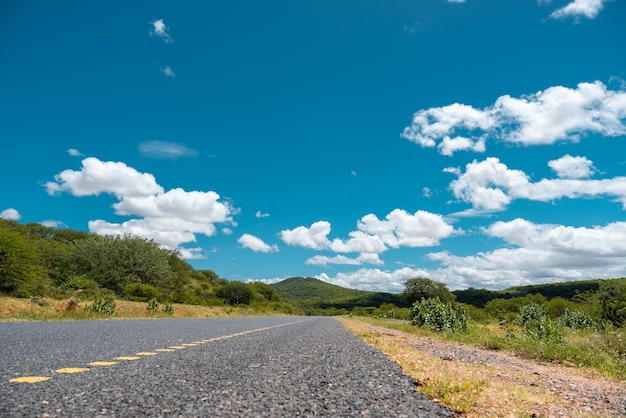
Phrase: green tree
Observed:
(612, 298)
(235, 293)
(420, 288)
(115, 261)
(21, 271)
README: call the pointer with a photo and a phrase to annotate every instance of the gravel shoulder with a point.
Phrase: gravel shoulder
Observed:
(498, 384)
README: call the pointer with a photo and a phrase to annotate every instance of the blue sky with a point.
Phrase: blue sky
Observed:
(479, 143)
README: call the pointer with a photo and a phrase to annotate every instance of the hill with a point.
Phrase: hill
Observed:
(313, 295)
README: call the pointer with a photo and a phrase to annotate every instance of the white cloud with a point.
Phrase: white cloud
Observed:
(577, 8)
(10, 214)
(375, 280)
(426, 192)
(546, 117)
(169, 218)
(160, 30)
(52, 223)
(74, 152)
(163, 149)
(256, 244)
(490, 185)
(315, 237)
(455, 1)
(402, 229)
(372, 237)
(97, 177)
(535, 253)
(167, 70)
(572, 167)
(260, 214)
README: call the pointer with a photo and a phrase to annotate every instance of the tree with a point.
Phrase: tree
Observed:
(612, 297)
(235, 293)
(21, 272)
(115, 261)
(420, 288)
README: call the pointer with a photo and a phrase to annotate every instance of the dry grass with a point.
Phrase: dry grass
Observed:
(13, 309)
(474, 390)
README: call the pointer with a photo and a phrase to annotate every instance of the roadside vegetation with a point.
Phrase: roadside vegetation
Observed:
(92, 273)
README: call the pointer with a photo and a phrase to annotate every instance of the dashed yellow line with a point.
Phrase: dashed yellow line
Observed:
(72, 370)
(29, 379)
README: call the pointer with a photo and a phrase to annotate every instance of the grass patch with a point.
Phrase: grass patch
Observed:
(46, 309)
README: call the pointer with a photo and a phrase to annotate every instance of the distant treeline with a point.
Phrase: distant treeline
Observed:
(39, 261)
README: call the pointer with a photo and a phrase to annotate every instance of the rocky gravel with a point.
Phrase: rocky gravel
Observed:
(578, 394)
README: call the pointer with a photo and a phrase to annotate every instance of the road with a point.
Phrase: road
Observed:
(236, 367)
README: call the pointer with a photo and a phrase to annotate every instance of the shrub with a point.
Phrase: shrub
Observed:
(153, 305)
(141, 292)
(82, 284)
(38, 300)
(575, 320)
(168, 309)
(235, 293)
(72, 304)
(537, 324)
(102, 304)
(436, 315)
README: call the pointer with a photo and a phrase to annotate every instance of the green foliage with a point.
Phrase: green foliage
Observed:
(535, 319)
(102, 304)
(38, 300)
(141, 292)
(420, 288)
(509, 308)
(437, 315)
(575, 320)
(116, 261)
(21, 271)
(612, 301)
(153, 306)
(168, 309)
(235, 293)
(264, 291)
(82, 284)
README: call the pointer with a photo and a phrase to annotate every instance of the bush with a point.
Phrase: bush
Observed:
(537, 324)
(82, 284)
(168, 309)
(141, 292)
(153, 305)
(436, 315)
(102, 304)
(575, 320)
(235, 293)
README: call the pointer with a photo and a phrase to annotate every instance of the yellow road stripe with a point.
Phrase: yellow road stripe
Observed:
(69, 370)
(29, 379)
(102, 363)
(128, 358)
(147, 353)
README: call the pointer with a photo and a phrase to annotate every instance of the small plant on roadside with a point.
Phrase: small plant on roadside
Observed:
(535, 320)
(575, 320)
(102, 304)
(153, 306)
(168, 309)
(38, 300)
(436, 315)
(72, 304)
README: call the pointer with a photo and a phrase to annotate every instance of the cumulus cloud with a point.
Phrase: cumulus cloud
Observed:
(50, 223)
(491, 186)
(572, 167)
(546, 117)
(533, 253)
(580, 8)
(10, 214)
(159, 29)
(98, 177)
(256, 244)
(163, 149)
(372, 237)
(169, 218)
(260, 214)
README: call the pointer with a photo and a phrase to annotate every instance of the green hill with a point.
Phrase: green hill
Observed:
(314, 295)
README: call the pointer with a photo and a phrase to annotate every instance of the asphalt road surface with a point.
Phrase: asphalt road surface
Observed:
(243, 367)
